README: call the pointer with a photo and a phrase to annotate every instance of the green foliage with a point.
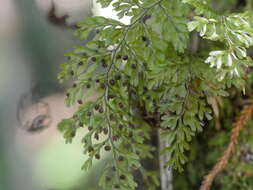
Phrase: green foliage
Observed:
(131, 79)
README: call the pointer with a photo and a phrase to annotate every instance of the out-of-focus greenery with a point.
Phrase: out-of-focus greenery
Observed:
(58, 166)
(38, 46)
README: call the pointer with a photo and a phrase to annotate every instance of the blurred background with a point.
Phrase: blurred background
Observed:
(34, 35)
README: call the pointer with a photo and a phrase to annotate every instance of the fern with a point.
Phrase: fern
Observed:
(145, 78)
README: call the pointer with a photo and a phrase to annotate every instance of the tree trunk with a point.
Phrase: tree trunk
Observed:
(165, 171)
